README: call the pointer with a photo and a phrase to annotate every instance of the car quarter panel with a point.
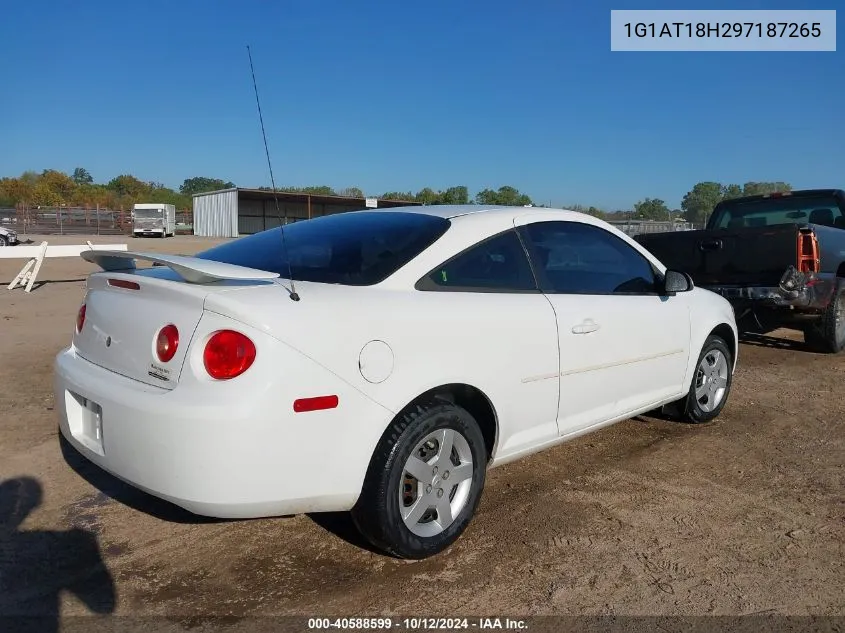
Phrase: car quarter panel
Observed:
(505, 345)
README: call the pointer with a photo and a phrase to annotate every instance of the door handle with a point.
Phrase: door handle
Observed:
(586, 327)
(710, 245)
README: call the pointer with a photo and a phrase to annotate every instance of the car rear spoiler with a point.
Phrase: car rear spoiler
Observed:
(192, 269)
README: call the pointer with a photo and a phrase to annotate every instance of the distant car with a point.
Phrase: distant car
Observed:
(8, 237)
(423, 345)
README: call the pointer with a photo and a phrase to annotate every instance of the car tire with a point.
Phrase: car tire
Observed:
(828, 334)
(3, 241)
(445, 484)
(711, 382)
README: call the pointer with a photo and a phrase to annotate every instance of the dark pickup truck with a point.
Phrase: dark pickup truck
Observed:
(778, 258)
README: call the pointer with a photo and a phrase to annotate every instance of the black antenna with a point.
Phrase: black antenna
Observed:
(293, 294)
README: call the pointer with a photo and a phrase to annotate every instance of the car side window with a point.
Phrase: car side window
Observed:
(578, 258)
(498, 264)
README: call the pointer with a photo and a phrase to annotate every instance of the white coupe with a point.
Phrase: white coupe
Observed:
(380, 361)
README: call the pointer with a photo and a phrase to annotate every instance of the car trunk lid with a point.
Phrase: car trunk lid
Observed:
(126, 309)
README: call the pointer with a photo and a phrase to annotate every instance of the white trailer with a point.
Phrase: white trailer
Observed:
(154, 219)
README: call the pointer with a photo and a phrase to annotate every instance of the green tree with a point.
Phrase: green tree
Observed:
(757, 188)
(580, 208)
(698, 203)
(455, 195)
(731, 191)
(428, 196)
(651, 209)
(318, 190)
(52, 188)
(81, 176)
(128, 185)
(505, 195)
(201, 184)
(16, 190)
(44, 196)
(94, 195)
(398, 195)
(165, 195)
(351, 192)
(59, 183)
(30, 178)
(87, 194)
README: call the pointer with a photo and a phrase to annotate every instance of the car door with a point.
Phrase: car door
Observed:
(486, 302)
(622, 345)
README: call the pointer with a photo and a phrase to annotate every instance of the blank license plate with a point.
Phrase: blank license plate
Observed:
(86, 422)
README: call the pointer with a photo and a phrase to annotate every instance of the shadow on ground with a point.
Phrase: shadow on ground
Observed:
(50, 282)
(37, 566)
(43, 282)
(773, 342)
(340, 524)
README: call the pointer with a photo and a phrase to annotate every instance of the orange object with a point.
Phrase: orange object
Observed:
(808, 251)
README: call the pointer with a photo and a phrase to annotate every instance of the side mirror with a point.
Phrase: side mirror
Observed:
(675, 281)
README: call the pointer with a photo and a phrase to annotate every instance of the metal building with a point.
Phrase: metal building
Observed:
(236, 212)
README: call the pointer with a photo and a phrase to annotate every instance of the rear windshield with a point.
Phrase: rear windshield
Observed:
(355, 249)
(786, 210)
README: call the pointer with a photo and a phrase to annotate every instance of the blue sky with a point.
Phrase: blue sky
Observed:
(398, 95)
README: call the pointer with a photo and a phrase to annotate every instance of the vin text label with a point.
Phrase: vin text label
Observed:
(723, 30)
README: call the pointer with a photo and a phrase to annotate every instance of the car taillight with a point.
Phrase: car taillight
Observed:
(228, 354)
(808, 252)
(80, 318)
(167, 342)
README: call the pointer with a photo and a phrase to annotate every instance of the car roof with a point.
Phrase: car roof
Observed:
(450, 211)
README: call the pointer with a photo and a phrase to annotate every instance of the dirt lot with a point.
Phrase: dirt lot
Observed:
(743, 515)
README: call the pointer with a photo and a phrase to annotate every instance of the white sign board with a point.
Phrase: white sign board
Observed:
(372, 203)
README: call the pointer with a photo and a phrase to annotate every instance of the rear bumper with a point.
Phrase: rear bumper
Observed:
(806, 292)
(220, 457)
